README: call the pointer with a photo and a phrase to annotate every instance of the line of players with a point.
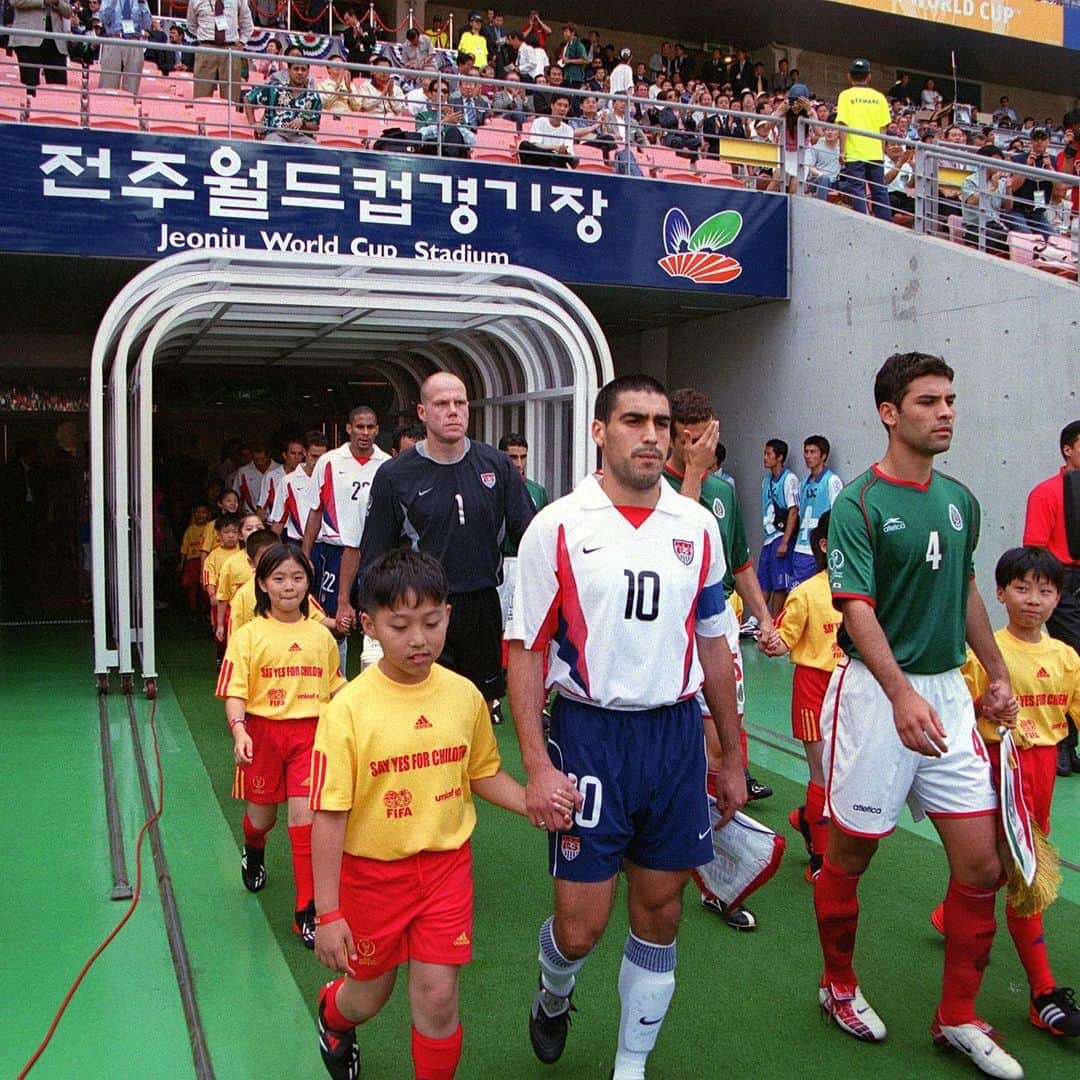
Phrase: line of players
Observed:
(559, 627)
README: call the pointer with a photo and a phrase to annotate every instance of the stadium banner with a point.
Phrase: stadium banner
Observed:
(112, 193)
(1022, 20)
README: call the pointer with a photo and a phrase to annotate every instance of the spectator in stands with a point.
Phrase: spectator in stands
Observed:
(41, 54)
(573, 57)
(121, 65)
(439, 33)
(795, 104)
(1004, 111)
(861, 157)
(494, 31)
(219, 24)
(759, 82)
(267, 13)
(780, 80)
(472, 40)
(291, 108)
(509, 101)
(930, 98)
(677, 127)
(901, 89)
(551, 138)
(532, 61)
(596, 78)
(336, 93)
(620, 127)
(472, 106)
(741, 72)
(542, 99)
(622, 75)
(381, 96)
(506, 54)
(714, 70)
(823, 164)
(437, 112)
(726, 127)
(271, 63)
(358, 38)
(1028, 126)
(417, 49)
(536, 25)
(900, 177)
(1068, 161)
(658, 62)
(1031, 196)
(948, 200)
(174, 57)
(995, 197)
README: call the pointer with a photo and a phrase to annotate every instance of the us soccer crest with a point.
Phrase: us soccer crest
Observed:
(487, 479)
(684, 551)
(570, 847)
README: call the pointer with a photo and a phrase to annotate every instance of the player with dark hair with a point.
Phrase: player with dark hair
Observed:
(406, 437)
(816, 496)
(779, 520)
(620, 588)
(901, 544)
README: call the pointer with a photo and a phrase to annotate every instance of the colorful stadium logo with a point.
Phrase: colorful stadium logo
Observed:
(695, 254)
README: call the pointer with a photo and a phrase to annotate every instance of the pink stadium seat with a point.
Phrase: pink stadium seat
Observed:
(56, 105)
(496, 138)
(1052, 254)
(344, 142)
(496, 156)
(114, 110)
(590, 159)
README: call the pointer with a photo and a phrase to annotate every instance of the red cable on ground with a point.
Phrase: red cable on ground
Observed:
(136, 894)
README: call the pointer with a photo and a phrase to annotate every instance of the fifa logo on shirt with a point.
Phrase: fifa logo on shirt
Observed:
(684, 551)
(570, 847)
(397, 803)
(836, 560)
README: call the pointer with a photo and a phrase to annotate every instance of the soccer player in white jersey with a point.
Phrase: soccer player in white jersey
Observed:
(256, 481)
(298, 494)
(620, 587)
(897, 722)
(343, 479)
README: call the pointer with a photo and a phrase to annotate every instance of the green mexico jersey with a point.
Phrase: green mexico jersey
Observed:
(719, 498)
(908, 550)
(538, 494)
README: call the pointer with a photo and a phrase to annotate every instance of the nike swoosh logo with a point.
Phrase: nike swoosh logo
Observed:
(650, 1023)
(589, 551)
(424, 492)
(702, 835)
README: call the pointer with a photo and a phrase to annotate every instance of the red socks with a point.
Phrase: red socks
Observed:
(816, 818)
(436, 1059)
(254, 837)
(742, 744)
(969, 933)
(335, 1019)
(1030, 942)
(837, 908)
(300, 840)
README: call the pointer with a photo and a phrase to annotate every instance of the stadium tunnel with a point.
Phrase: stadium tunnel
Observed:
(529, 351)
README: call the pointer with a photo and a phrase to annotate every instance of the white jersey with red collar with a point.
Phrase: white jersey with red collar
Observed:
(258, 489)
(617, 607)
(343, 485)
(293, 498)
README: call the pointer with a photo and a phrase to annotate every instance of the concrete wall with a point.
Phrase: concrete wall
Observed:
(861, 290)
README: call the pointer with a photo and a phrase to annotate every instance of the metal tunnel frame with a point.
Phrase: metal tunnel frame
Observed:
(529, 351)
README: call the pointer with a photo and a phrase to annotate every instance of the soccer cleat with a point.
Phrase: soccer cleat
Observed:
(749, 629)
(1056, 1012)
(937, 919)
(851, 1011)
(252, 869)
(754, 789)
(976, 1041)
(340, 1053)
(813, 868)
(304, 925)
(738, 918)
(797, 820)
(549, 1022)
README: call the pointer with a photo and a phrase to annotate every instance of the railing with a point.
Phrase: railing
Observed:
(980, 201)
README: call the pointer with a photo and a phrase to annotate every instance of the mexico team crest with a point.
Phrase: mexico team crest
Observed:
(487, 479)
(570, 847)
(684, 551)
(955, 518)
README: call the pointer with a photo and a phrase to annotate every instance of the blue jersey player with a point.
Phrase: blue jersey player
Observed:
(816, 496)
(620, 587)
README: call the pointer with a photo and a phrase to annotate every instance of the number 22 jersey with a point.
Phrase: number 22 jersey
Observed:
(615, 606)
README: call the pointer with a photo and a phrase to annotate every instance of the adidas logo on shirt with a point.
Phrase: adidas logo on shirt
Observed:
(421, 723)
(462, 939)
(1042, 673)
(294, 647)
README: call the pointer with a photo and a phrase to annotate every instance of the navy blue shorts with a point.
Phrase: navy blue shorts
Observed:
(643, 778)
(774, 572)
(326, 559)
(803, 567)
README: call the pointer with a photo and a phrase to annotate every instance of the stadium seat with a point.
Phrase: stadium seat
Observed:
(344, 142)
(114, 110)
(56, 105)
(590, 159)
(1052, 254)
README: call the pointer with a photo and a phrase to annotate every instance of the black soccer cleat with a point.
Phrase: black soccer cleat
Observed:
(755, 789)
(339, 1049)
(1056, 1012)
(304, 925)
(738, 918)
(252, 868)
(547, 1030)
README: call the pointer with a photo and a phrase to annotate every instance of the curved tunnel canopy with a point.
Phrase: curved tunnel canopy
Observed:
(530, 353)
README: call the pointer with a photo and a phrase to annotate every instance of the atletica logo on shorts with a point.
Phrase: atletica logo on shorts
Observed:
(866, 809)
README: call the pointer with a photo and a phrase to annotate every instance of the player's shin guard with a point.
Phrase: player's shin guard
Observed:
(969, 933)
(253, 836)
(836, 904)
(816, 818)
(646, 986)
(435, 1059)
(300, 840)
(1030, 941)
(556, 972)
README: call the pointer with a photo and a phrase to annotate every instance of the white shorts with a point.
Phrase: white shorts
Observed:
(870, 773)
(506, 586)
(731, 632)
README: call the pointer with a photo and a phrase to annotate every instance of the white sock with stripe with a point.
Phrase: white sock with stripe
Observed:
(646, 986)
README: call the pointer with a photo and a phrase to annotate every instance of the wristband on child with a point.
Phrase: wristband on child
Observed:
(329, 917)
(240, 720)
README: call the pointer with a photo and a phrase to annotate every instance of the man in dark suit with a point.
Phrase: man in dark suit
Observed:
(22, 511)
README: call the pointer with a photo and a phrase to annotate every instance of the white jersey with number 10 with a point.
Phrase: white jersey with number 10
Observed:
(616, 606)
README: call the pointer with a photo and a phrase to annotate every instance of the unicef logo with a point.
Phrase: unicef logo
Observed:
(836, 560)
(696, 254)
(955, 519)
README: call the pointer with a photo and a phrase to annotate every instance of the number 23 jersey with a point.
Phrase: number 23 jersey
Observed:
(615, 606)
(907, 549)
